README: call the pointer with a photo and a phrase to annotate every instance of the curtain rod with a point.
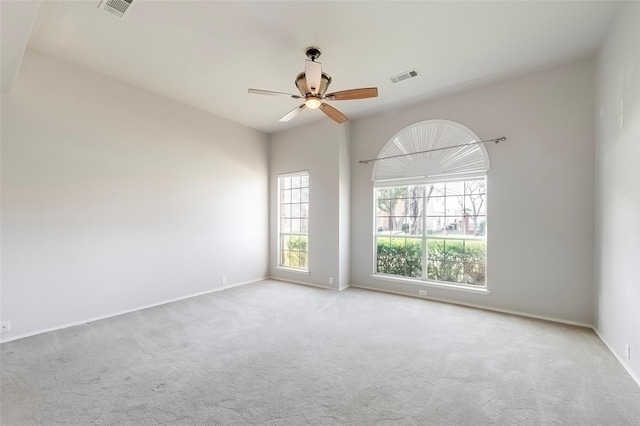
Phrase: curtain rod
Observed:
(435, 149)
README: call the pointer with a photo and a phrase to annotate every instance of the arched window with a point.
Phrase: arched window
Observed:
(430, 208)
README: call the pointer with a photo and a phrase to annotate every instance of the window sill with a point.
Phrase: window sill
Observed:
(295, 271)
(434, 284)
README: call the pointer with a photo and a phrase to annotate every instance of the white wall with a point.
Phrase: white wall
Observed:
(344, 206)
(540, 189)
(316, 147)
(617, 250)
(115, 198)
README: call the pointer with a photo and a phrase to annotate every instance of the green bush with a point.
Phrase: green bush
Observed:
(475, 262)
(294, 251)
(455, 261)
(399, 256)
(297, 243)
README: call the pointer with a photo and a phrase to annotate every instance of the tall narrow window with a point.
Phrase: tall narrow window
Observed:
(293, 223)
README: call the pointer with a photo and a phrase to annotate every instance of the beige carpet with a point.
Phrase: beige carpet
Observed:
(274, 353)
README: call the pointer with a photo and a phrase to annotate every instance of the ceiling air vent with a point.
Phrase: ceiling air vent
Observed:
(120, 8)
(404, 76)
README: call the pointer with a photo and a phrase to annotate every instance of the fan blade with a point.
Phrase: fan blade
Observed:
(272, 93)
(333, 113)
(313, 74)
(345, 95)
(288, 116)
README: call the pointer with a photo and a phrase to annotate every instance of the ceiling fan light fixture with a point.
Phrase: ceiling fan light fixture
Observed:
(312, 84)
(313, 102)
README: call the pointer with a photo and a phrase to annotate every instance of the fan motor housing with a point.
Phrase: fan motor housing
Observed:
(313, 52)
(301, 84)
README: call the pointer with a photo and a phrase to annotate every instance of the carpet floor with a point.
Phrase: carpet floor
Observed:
(273, 353)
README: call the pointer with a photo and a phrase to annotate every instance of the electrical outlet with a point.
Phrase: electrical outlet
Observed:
(330, 280)
(224, 280)
(627, 351)
(422, 292)
(5, 326)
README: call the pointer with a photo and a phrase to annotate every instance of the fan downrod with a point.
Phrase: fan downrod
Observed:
(313, 52)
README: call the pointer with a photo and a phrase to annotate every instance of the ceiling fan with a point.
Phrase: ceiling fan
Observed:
(313, 84)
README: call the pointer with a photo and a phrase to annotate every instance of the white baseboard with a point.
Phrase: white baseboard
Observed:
(478, 306)
(287, 280)
(618, 357)
(127, 311)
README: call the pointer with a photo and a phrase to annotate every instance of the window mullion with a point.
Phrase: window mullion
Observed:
(424, 232)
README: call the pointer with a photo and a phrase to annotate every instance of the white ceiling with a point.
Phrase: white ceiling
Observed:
(208, 53)
(17, 19)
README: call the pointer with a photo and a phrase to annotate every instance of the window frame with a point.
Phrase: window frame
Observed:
(279, 183)
(424, 237)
